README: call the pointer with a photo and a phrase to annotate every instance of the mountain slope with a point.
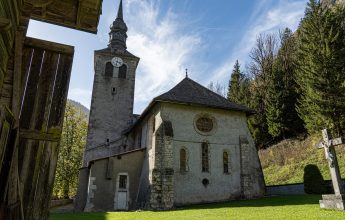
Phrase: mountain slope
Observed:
(78, 105)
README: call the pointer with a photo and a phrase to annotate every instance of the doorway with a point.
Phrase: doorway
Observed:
(122, 192)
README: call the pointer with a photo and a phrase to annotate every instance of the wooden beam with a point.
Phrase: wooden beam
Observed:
(39, 135)
(5, 24)
(47, 45)
(18, 56)
(77, 21)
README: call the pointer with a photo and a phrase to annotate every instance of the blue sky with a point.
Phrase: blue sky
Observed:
(205, 36)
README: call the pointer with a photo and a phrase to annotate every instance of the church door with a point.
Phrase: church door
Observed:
(121, 197)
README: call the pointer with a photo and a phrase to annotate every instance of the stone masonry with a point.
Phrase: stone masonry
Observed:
(162, 192)
(249, 178)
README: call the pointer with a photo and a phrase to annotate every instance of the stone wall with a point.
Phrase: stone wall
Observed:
(288, 189)
(162, 183)
(252, 179)
(111, 109)
(229, 126)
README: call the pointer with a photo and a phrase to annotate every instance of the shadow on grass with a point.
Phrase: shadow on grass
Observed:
(78, 216)
(289, 200)
(263, 202)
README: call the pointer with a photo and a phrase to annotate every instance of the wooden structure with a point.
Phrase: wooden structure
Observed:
(34, 79)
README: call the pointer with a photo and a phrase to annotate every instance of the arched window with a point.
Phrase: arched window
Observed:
(108, 69)
(225, 162)
(183, 160)
(204, 157)
(123, 71)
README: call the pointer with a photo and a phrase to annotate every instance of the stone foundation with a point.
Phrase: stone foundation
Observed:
(162, 193)
(332, 201)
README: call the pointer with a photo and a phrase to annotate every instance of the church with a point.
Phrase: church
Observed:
(189, 146)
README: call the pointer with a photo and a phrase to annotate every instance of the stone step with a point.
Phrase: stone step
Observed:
(332, 201)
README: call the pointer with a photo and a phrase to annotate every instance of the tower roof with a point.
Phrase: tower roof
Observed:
(120, 11)
(118, 31)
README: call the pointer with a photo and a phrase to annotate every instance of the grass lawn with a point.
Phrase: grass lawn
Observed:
(277, 207)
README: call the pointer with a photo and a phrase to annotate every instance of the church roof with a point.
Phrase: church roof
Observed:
(191, 92)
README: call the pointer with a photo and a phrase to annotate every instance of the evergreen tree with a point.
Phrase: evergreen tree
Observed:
(282, 118)
(321, 72)
(234, 84)
(275, 103)
(239, 86)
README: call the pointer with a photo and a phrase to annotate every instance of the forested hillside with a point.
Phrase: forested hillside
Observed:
(296, 81)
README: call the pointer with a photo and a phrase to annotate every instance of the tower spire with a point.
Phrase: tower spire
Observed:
(120, 11)
(118, 32)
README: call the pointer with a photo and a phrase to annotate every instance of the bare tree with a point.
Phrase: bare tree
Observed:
(217, 88)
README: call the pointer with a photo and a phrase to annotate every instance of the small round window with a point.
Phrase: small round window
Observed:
(204, 124)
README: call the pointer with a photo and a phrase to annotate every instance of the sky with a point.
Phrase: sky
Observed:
(204, 36)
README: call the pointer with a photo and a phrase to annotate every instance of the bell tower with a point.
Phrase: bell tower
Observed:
(111, 109)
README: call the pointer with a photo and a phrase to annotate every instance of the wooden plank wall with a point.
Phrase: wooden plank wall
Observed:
(10, 12)
(46, 73)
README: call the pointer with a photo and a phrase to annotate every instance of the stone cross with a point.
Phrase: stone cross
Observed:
(328, 145)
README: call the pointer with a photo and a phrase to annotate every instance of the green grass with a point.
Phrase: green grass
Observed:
(277, 207)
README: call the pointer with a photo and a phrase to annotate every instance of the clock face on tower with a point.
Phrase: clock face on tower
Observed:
(117, 61)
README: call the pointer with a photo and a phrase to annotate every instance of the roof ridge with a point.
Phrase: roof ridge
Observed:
(190, 91)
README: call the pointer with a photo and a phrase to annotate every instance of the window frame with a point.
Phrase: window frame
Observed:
(183, 149)
(120, 76)
(208, 116)
(106, 69)
(226, 155)
(205, 157)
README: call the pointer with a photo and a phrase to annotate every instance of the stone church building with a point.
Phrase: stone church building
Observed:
(190, 145)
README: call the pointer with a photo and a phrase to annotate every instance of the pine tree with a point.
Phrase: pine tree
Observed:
(275, 102)
(282, 118)
(234, 84)
(321, 72)
(239, 86)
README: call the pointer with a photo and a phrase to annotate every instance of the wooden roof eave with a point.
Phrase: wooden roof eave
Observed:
(82, 15)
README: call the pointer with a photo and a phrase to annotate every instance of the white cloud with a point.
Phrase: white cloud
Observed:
(81, 95)
(284, 14)
(164, 49)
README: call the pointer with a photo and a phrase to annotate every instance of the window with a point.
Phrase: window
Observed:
(153, 124)
(225, 162)
(113, 90)
(108, 69)
(183, 160)
(204, 157)
(123, 182)
(139, 137)
(204, 124)
(123, 71)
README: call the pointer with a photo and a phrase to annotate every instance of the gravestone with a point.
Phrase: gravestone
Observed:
(336, 200)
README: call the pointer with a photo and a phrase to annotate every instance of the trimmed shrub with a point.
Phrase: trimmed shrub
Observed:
(313, 180)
